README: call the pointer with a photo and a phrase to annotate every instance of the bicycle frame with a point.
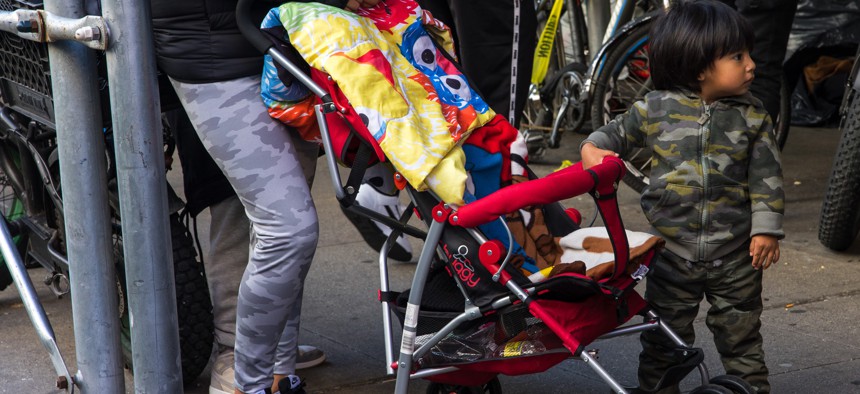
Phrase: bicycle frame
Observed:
(581, 87)
(31, 181)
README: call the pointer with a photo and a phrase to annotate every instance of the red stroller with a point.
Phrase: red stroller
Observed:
(470, 313)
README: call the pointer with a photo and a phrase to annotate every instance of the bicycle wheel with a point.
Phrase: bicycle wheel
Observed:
(735, 384)
(193, 306)
(840, 210)
(624, 79)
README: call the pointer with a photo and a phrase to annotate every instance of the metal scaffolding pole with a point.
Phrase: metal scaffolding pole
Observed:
(81, 149)
(143, 197)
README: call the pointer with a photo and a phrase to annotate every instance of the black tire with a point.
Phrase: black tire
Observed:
(735, 384)
(624, 79)
(710, 389)
(613, 97)
(840, 210)
(193, 306)
(782, 123)
(491, 387)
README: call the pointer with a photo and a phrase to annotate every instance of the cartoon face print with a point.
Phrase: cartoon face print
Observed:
(450, 85)
(458, 87)
(424, 55)
(373, 120)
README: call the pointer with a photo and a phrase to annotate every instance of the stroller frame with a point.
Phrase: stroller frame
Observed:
(402, 362)
(408, 353)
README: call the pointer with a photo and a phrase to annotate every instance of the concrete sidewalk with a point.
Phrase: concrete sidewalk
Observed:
(811, 304)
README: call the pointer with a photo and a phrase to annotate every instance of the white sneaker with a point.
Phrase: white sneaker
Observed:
(309, 356)
(372, 231)
(221, 380)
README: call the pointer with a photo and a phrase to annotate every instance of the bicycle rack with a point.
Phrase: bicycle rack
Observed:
(131, 75)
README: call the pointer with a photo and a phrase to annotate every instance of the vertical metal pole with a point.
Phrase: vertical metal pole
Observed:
(87, 221)
(410, 322)
(143, 196)
(598, 18)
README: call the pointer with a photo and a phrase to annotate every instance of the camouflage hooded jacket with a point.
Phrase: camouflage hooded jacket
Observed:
(716, 177)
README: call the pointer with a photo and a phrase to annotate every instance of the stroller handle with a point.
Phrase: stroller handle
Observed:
(252, 33)
(602, 180)
(248, 28)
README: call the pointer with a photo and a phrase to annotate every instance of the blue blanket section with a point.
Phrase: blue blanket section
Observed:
(273, 89)
(418, 48)
(486, 170)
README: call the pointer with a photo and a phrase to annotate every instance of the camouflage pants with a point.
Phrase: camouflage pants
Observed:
(675, 288)
(271, 174)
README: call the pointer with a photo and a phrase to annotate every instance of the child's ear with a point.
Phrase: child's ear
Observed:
(701, 77)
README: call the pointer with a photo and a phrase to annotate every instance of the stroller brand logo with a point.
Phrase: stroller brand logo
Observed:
(462, 266)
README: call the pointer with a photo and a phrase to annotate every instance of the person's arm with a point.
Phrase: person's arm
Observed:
(616, 137)
(767, 198)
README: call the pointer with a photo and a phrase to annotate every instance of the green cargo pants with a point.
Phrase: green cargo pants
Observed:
(675, 288)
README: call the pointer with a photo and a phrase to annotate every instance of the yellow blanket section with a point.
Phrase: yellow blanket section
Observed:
(401, 107)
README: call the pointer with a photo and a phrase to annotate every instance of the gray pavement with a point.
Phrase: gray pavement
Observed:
(809, 324)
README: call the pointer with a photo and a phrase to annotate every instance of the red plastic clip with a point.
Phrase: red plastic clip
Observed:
(490, 252)
(441, 212)
(399, 181)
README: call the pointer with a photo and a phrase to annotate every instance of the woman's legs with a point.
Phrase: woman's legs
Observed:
(262, 162)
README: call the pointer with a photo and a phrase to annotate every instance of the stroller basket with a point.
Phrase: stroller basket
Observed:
(508, 333)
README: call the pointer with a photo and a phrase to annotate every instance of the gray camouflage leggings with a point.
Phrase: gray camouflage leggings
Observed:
(271, 174)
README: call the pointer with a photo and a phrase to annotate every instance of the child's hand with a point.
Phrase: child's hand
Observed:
(353, 5)
(592, 155)
(764, 250)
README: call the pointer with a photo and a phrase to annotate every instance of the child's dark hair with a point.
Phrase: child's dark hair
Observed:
(688, 38)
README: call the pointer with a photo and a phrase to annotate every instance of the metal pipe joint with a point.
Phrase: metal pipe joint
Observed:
(43, 26)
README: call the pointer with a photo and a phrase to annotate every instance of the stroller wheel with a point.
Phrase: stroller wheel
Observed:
(491, 387)
(733, 383)
(710, 389)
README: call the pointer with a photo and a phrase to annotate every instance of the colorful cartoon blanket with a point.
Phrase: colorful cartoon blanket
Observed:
(409, 96)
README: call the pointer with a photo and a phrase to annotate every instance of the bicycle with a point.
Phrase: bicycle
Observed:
(31, 200)
(560, 83)
(618, 76)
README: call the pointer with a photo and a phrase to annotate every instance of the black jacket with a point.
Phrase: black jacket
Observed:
(198, 41)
